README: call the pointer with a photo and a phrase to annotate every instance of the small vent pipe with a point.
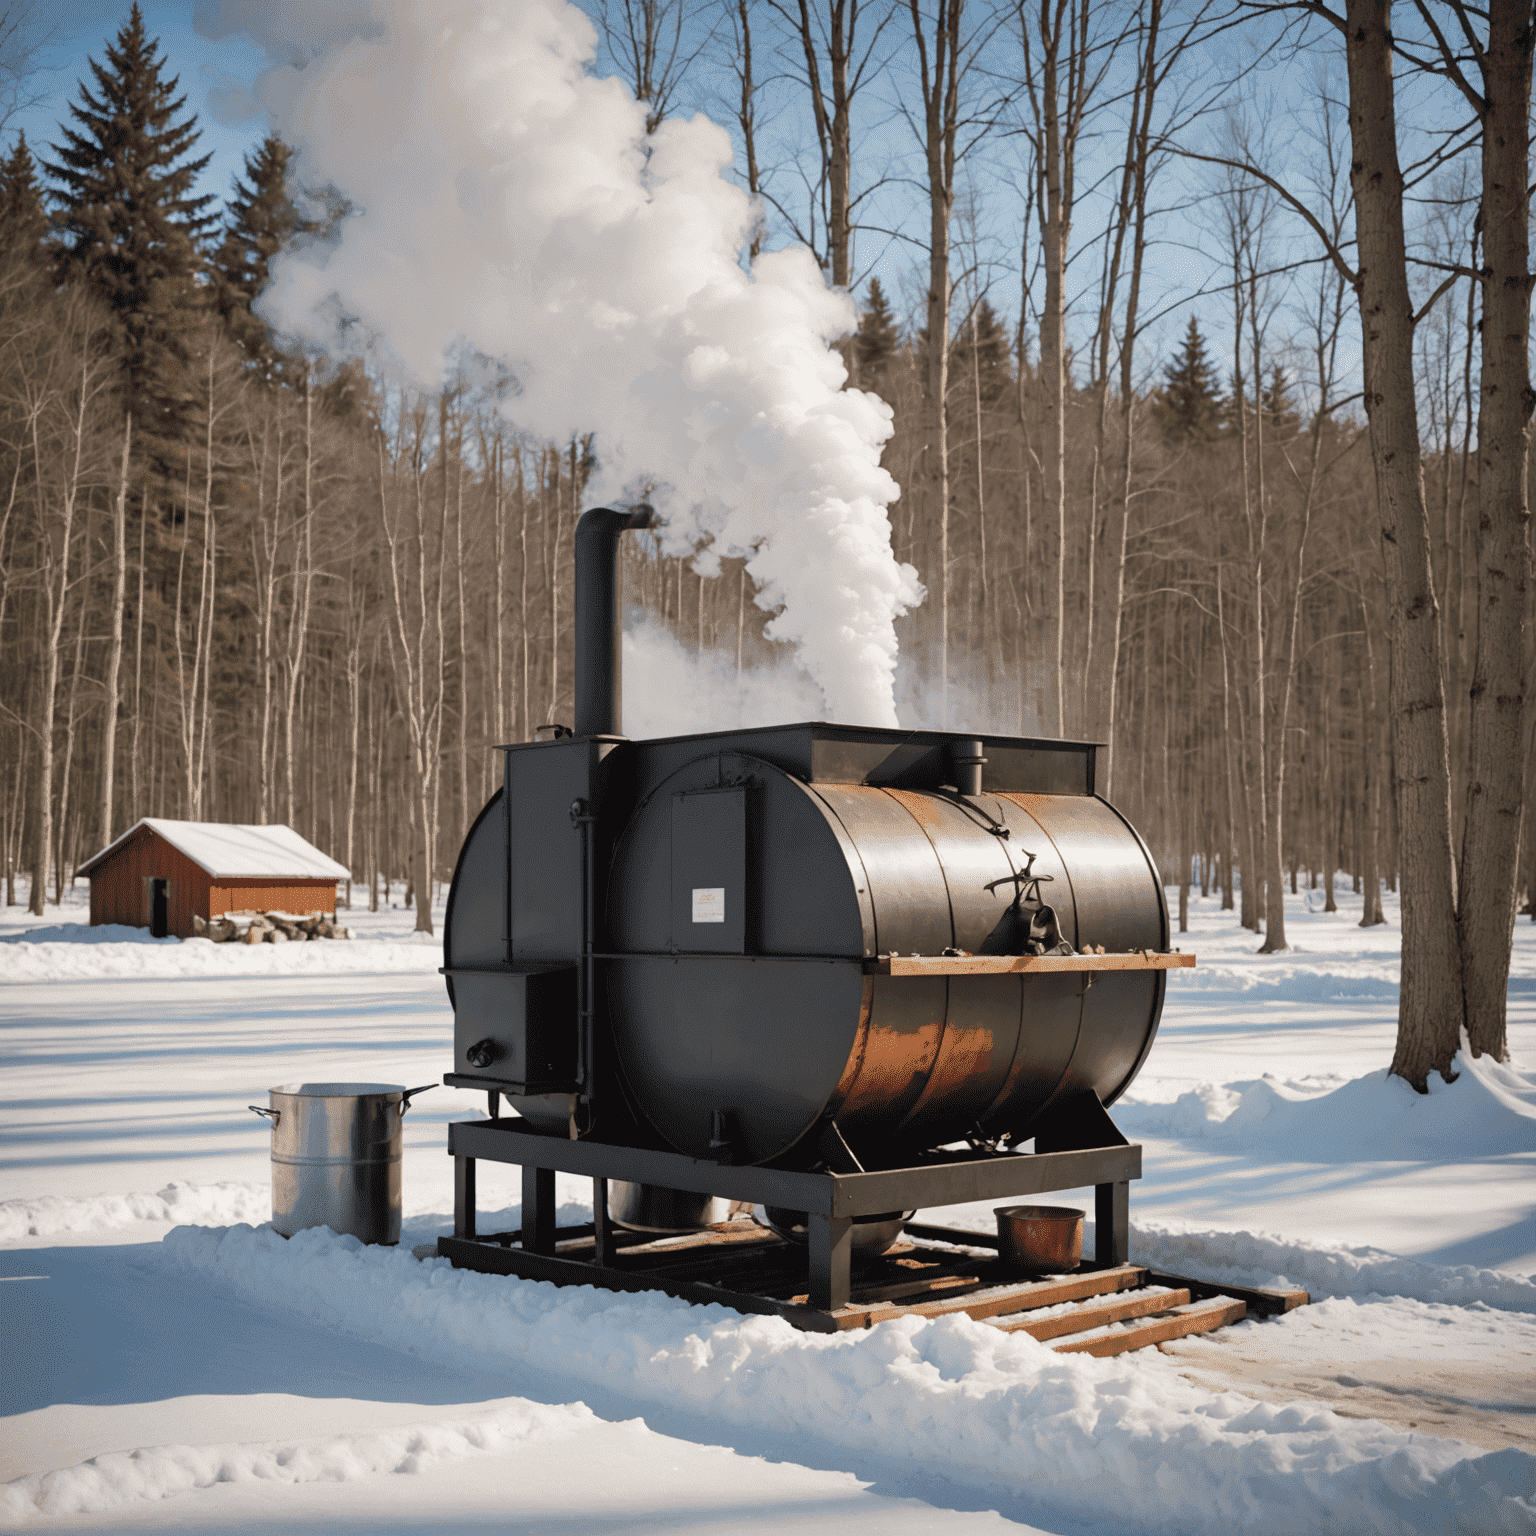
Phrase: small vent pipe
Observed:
(966, 763)
(599, 665)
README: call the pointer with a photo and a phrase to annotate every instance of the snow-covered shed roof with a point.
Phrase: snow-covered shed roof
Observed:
(233, 852)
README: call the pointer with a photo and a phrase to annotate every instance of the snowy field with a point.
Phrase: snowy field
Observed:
(170, 1363)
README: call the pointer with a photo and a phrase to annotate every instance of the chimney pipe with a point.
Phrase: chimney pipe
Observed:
(599, 669)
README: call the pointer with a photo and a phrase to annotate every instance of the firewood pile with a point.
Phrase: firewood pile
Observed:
(268, 928)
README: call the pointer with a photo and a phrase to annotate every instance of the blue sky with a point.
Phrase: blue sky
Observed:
(1181, 263)
(80, 29)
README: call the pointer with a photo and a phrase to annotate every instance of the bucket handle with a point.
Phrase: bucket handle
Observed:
(409, 1094)
(274, 1115)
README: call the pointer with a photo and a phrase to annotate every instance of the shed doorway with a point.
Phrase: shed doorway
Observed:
(159, 907)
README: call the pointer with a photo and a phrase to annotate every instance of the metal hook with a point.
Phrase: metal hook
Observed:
(409, 1094)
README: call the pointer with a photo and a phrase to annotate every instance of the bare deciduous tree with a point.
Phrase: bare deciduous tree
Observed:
(654, 43)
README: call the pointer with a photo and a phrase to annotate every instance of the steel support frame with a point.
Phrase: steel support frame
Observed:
(831, 1201)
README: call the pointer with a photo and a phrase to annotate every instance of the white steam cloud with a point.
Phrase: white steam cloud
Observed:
(505, 197)
(671, 689)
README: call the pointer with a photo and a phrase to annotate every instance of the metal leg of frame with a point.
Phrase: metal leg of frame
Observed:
(1112, 1223)
(464, 1197)
(538, 1209)
(602, 1226)
(831, 1254)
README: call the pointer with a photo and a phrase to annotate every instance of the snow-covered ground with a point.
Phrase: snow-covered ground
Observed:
(170, 1362)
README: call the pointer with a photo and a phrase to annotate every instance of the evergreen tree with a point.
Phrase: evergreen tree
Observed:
(1191, 404)
(261, 217)
(23, 220)
(877, 338)
(126, 219)
(994, 356)
(1280, 405)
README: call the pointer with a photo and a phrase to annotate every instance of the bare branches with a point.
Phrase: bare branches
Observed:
(1296, 204)
(655, 43)
(22, 41)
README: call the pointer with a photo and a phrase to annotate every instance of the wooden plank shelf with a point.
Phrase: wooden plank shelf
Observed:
(1025, 965)
(1175, 1323)
(1097, 1310)
(1098, 1315)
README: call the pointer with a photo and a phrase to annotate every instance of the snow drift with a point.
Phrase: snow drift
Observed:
(100, 954)
(63, 1215)
(109, 1482)
(1487, 1110)
(1069, 1437)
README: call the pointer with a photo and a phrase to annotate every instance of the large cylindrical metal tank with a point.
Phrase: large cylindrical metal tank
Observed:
(689, 939)
(751, 1017)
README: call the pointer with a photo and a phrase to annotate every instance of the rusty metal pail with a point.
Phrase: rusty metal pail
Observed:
(1040, 1239)
(336, 1157)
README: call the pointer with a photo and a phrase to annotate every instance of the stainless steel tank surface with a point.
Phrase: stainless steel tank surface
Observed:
(336, 1157)
(751, 1016)
(651, 1208)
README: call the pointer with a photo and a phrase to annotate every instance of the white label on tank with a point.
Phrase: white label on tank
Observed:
(709, 903)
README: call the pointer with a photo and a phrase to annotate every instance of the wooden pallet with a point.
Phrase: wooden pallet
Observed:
(932, 1272)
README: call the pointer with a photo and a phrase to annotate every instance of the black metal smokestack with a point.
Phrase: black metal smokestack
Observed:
(599, 668)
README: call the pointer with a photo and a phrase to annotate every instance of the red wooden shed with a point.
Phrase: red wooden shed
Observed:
(161, 874)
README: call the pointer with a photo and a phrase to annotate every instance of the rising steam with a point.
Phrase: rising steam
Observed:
(505, 198)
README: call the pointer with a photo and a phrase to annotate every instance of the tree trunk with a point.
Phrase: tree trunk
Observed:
(115, 639)
(1228, 895)
(1371, 915)
(1329, 848)
(1495, 790)
(298, 619)
(833, 120)
(56, 596)
(940, 71)
(1055, 231)
(71, 719)
(460, 606)
(138, 666)
(1430, 1007)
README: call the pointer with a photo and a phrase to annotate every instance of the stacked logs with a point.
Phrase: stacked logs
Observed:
(268, 928)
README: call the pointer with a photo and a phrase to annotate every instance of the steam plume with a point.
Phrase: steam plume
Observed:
(505, 197)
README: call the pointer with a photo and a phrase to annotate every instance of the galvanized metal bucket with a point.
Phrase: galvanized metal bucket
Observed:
(336, 1157)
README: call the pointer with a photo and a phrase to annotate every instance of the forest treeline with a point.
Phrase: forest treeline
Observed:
(239, 584)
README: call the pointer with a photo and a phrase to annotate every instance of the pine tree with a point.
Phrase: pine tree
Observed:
(260, 218)
(1190, 407)
(126, 218)
(23, 219)
(877, 338)
(994, 356)
(1280, 405)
